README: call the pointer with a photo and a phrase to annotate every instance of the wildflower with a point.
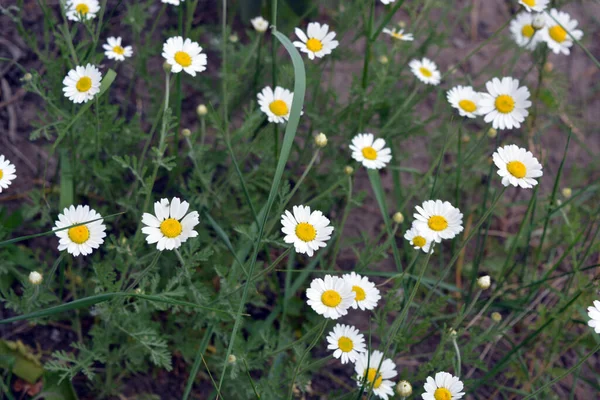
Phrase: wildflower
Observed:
(35, 278)
(348, 170)
(376, 372)
(398, 217)
(81, 239)
(387, 1)
(594, 314)
(347, 343)
(443, 387)
(307, 231)
(365, 292)
(321, 140)
(399, 34)
(260, 24)
(370, 151)
(173, 2)
(276, 105)
(484, 282)
(330, 297)
(184, 55)
(517, 166)
(539, 21)
(82, 83)
(201, 110)
(465, 100)
(496, 316)
(418, 239)
(170, 226)
(534, 5)
(438, 219)
(115, 51)
(77, 10)
(317, 42)
(523, 31)
(567, 192)
(426, 71)
(404, 389)
(505, 105)
(560, 31)
(7, 173)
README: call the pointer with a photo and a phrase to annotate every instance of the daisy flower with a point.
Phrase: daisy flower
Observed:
(184, 55)
(77, 10)
(370, 151)
(260, 24)
(377, 376)
(307, 231)
(170, 226)
(7, 173)
(523, 31)
(443, 387)
(517, 166)
(505, 105)
(418, 239)
(330, 297)
(317, 41)
(115, 51)
(366, 294)
(426, 71)
(347, 342)
(594, 314)
(81, 239)
(82, 83)
(534, 5)
(399, 34)
(465, 100)
(276, 105)
(438, 220)
(558, 35)
(387, 1)
(173, 2)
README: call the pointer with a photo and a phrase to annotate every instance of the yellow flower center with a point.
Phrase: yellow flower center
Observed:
(505, 103)
(79, 234)
(331, 298)
(306, 232)
(397, 35)
(530, 3)
(182, 58)
(467, 105)
(360, 293)
(369, 153)
(442, 394)
(437, 223)
(82, 8)
(314, 45)
(279, 108)
(425, 72)
(345, 344)
(84, 84)
(419, 241)
(171, 228)
(517, 169)
(527, 31)
(1, 174)
(371, 377)
(119, 50)
(557, 33)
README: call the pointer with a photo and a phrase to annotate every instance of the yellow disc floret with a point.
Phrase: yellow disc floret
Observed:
(557, 33)
(442, 394)
(82, 8)
(371, 373)
(79, 234)
(182, 58)
(360, 293)
(119, 50)
(505, 103)
(517, 169)
(314, 45)
(84, 84)
(331, 298)
(425, 72)
(345, 344)
(437, 223)
(279, 108)
(171, 228)
(369, 153)
(419, 241)
(306, 232)
(467, 105)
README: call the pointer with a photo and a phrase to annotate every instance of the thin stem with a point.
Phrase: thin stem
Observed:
(458, 361)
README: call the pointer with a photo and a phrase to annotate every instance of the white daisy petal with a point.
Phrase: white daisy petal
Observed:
(7, 173)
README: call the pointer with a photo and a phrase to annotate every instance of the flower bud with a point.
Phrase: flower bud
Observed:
(231, 359)
(260, 24)
(538, 22)
(465, 138)
(167, 67)
(404, 389)
(383, 59)
(234, 38)
(321, 140)
(548, 67)
(348, 170)
(27, 77)
(452, 332)
(398, 217)
(567, 192)
(35, 278)
(186, 132)
(201, 110)
(492, 133)
(496, 316)
(484, 282)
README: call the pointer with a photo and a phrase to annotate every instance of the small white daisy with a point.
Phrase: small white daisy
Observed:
(465, 100)
(426, 71)
(505, 105)
(184, 55)
(317, 42)
(594, 314)
(387, 1)
(276, 105)
(7, 173)
(260, 24)
(418, 239)
(76, 10)
(114, 49)
(534, 5)
(347, 343)
(438, 220)
(377, 376)
(330, 297)
(307, 231)
(170, 226)
(366, 294)
(443, 387)
(81, 239)
(82, 83)
(556, 35)
(517, 166)
(369, 151)
(523, 31)
(399, 34)
(173, 2)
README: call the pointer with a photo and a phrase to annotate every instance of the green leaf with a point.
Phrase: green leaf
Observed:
(55, 389)
(18, 358)
(66, 180)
